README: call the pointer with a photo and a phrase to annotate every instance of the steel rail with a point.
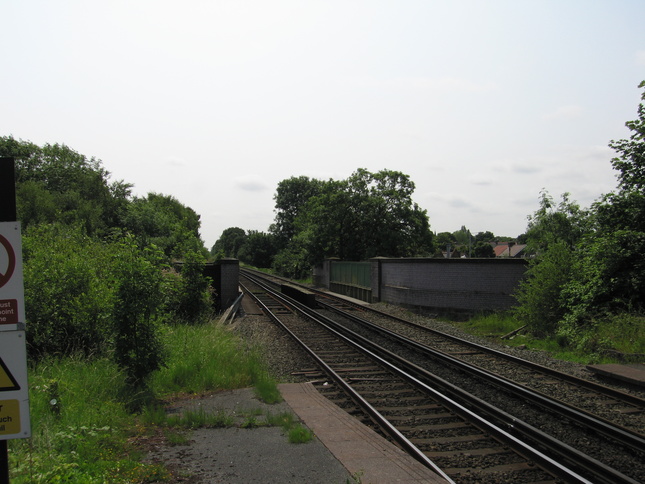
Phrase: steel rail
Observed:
(378, 419)
(608, 391)
(620, 434)
(565, 452)
(546, 462)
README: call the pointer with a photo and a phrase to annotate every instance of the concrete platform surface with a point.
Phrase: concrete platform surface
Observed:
(362, 451)
(634, 373)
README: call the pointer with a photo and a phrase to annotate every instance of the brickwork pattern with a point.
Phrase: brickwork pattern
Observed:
(469, 285)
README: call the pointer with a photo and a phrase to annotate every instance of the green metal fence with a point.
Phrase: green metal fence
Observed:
(352, 279)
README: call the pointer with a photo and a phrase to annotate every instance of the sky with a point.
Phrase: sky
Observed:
(483, 104)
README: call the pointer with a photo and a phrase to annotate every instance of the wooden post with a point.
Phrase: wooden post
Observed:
(7, 214)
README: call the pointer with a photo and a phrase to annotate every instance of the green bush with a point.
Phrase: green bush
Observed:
(137, 345)
(539, 296)
(195, 304)
(69, 295)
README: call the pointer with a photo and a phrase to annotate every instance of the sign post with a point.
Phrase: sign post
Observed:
(14, 391)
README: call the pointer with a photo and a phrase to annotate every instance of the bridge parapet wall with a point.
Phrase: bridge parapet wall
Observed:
(469, 285)
(225, 275)
(442, 285)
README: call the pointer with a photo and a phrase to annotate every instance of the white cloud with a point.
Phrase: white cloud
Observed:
(176, 162)
(564, 112)
(251, 184)
(481, 181)
(459, 202)
(640, 58)
(440, 84)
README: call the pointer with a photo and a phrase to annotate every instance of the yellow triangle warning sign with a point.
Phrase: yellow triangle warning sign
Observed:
(7, 381)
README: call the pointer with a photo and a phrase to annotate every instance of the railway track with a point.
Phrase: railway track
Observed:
(463, 435)
(618, 407)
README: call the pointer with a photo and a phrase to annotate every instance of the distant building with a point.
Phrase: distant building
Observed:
(508, 249)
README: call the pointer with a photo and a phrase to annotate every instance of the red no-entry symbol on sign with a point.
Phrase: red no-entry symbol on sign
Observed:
(11, 255)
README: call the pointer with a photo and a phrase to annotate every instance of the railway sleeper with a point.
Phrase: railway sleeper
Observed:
(431, 406)
(454, 439)
(405, 392)
(424, 419)
(358, 368)
(429, 428)
(502, 463)
(629, 410)
(519, 467)
(484, 451)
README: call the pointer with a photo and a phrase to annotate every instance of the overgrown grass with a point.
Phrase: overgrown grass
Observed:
(622, 332)
(83, 426)
(612, 339)
(209, 357)
(497, 324)
(86, 435)
(174, 424)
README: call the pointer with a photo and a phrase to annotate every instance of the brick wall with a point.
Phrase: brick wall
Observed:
(441, 285)
(469, 285)
(225, 275)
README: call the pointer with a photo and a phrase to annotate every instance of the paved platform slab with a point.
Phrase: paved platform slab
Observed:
(362, 451)
(634, 374)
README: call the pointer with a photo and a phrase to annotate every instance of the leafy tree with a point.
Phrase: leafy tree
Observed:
(631, 160)
(611, 272)
(137, 344)
(522, 239)
(291, 197)
(195, 303)
(553, 234)
(483, 249)
(589, 263)
(295, 260)
(87, 296)
(36, 204)
(565, 222)
(258, 250)
(463, 236)
(163, 221)
(367, 215)
(229, 243)
(541, 304)
(484, 237)
(54, 183)
(445, 238)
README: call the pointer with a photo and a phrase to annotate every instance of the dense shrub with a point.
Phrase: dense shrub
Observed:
(137, 345)
(85, 295)
(589, 268)
(69, 295)
(539, 296)
(195, 302)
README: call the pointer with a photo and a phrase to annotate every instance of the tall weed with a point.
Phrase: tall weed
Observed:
(80, 426)
(208, 357)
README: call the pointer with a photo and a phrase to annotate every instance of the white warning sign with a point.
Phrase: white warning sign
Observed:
(12, 292)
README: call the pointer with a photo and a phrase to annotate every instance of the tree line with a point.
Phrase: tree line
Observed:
(366, 215)
(589, 263)
(585, 264)
(98, 263)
